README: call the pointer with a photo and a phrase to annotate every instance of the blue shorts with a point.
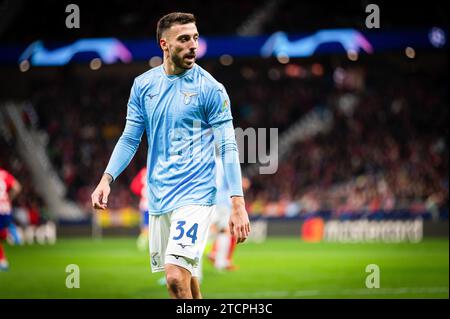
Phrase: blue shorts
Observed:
(5, 220)
(145, 217)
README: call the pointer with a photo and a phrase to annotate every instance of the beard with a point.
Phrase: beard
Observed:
(178, 61)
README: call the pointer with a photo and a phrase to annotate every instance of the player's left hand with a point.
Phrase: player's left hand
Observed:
(100, 195)
(239, 222)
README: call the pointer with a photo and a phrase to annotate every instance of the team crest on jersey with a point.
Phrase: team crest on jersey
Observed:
(188, 97)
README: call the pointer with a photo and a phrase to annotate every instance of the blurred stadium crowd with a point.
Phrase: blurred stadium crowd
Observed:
(387, 150)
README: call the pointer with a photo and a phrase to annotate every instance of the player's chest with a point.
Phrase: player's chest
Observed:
(173, 102)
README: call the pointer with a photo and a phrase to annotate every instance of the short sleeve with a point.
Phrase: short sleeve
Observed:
(217, 105)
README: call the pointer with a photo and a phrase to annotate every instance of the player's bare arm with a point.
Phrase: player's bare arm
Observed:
(239, 222)
(100, 195)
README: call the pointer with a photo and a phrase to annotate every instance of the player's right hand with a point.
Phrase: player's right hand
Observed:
(100, 195)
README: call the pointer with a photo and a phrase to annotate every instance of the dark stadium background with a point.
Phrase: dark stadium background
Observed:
(383, 159)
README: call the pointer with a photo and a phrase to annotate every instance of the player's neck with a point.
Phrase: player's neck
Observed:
(171, 69)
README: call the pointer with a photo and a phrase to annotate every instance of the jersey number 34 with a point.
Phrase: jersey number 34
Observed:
(191, 233)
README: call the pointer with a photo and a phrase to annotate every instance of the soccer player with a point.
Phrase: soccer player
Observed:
(9, 189)
(139, 187)
(185, 112)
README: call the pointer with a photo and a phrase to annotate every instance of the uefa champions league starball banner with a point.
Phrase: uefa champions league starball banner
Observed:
(302, 45)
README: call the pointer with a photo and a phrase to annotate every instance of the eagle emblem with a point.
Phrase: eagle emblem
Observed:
(188, 97)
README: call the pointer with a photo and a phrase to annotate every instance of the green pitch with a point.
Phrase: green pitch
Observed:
(278, 268)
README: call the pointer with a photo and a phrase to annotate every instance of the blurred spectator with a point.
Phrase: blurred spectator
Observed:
(387, 149)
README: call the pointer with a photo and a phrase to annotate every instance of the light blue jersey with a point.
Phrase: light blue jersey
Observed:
(184, 116)
(223, 191)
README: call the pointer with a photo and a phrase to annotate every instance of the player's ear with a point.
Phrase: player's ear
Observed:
(163, 44)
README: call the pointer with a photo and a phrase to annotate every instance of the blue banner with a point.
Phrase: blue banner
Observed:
(331, 41)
